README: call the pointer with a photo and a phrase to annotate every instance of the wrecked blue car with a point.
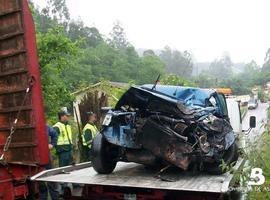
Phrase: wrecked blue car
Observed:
(161, 125)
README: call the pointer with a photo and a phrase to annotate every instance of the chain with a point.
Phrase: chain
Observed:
(13, 127)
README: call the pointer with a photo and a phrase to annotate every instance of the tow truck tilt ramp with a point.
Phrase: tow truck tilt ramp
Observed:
(137, 176)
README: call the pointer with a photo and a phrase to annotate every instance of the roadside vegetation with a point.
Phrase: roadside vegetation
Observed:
(73, 56)
(259, 157)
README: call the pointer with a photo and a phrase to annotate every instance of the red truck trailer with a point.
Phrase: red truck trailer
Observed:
(23, 139)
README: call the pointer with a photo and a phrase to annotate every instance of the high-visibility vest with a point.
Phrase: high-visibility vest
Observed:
(65, 135)
(94, 132)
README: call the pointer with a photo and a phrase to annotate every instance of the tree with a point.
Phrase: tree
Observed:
(173, 79)
(151, 67)
(56, 55)
(266, 65)
(73, 55)
(187, 62)
(118, 37)
(226, 59)
(177, 62)
(221, 69)
(204, 80)
(251, 67)
(57, 10)
(240, 83)
(43, 22)
(236, 83)
(55, 13)
(90, 36)
(149, 52)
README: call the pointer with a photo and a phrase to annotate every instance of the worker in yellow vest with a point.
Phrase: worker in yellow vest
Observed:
(64, 143)
(89, 132)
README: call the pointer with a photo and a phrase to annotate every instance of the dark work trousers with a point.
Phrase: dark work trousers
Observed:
(86, 154)
(50, 187)
(65, 158)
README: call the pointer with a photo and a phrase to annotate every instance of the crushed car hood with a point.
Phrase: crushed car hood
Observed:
(188, 95)
(170, 99)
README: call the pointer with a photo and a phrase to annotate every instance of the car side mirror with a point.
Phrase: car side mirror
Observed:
(252, 122)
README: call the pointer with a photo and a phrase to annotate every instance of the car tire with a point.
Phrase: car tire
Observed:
(231, 155)
(103, 161)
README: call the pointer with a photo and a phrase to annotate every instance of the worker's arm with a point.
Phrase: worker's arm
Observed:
(54, 136)
(88, 136)
(57, 130)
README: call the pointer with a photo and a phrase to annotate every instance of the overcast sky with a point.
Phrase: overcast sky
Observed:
(206, 28)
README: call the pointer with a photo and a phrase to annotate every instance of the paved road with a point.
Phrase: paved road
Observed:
(261, 118)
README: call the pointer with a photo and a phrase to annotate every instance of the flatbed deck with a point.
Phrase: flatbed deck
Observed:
(137, 176)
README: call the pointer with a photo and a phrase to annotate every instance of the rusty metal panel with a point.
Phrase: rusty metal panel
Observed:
(19, 68)
(171, 149)
(8, 5)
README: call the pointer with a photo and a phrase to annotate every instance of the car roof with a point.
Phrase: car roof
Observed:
(198, 96)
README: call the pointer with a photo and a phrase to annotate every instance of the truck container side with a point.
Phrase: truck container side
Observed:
(21, 105)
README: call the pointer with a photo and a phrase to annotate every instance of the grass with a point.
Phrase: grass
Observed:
(259, 156)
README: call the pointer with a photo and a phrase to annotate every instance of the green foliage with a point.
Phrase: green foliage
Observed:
(109, 63)
(176, 80)
(90, 36)
(73, 56)
(54, 14)
(55, 48)
(266, 65)
(204, 80)
(220, 75)
(259, 157)
(57, 11)
(262, 95)
(227, 167)
(115, 93)
(150, 68)
(56, 54)
(236, 82)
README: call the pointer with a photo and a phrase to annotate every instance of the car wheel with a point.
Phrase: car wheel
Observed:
(103, 160)
(231, 155)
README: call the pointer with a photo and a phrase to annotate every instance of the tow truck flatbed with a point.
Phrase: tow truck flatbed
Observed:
(137, 176)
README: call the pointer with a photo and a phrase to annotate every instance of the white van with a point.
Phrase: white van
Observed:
(235, 118)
